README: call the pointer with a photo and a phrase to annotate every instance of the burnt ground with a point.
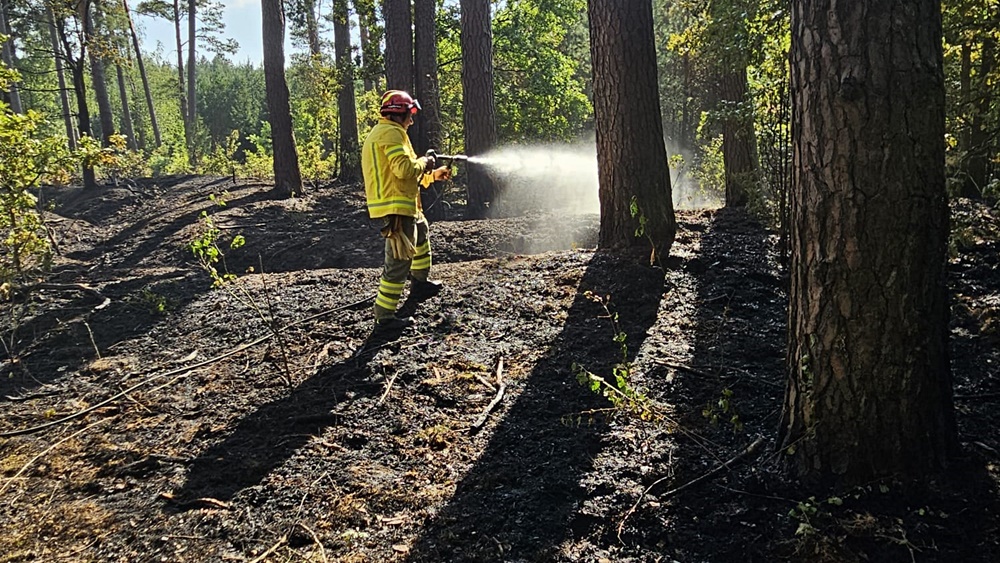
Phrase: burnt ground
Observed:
(151, 417)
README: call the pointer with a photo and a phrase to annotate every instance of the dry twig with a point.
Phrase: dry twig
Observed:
(746, 452)
(501, 388)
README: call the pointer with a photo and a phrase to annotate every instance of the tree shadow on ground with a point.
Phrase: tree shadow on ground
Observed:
(521, 498)
(272, 434)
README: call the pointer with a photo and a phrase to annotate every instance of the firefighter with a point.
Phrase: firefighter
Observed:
(393, 176)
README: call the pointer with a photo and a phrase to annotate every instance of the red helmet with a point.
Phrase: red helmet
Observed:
(399, 102)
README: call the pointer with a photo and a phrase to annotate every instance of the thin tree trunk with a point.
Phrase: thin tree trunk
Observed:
(869, 388)
(977, 163)
(98, 78)
(479, 108)
(61, 76)
(350, 157)
(425, 57)
(366, 78)
(398, 45)
(287, 178)
(77, 69)
(192, 115)
(142, 74)
(181, 90)
(7, 52)
(126, 111)
(632, 159)
(312, 28)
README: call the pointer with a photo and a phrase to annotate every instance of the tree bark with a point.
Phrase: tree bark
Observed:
(738, 140)
(869, 388)
(7, 53)
(350, 157)
(98, 78)
(632, 158)
(61, 77)
(192, 115)
(425, 55)
(126, 111)
(977, 162)
(77, 69)
(142, 74)
(181, 90)
(369, 37)
(478, 105)
(287, 178)
(398, 45)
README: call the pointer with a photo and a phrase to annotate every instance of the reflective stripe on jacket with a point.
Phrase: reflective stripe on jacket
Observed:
(392, 171)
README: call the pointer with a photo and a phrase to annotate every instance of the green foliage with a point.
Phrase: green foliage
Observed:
(622, 395)
(26, 158)
(206, 249)
(724, 410)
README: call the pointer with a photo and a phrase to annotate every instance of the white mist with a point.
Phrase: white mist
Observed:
(563, 177)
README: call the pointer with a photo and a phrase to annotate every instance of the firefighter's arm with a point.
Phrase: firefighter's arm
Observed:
(403, 166)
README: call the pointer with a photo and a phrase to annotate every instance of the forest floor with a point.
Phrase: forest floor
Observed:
(148, 416)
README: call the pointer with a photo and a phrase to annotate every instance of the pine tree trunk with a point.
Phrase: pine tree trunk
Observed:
(478, 104)
(287, 178)
(126, 111)
(632, 159)
(738, 153)
(398, 45)
(350, 157)
(7, 53)
(98, 78)
(67, 114)
(369, 37)
(312, 28)
(142, 74)
(977, 162)
(192, 115)
(425, 56)
(77, 69)
(869, 389)
(181, 90)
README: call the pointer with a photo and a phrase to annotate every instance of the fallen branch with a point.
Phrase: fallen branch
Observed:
(698, 480)
(388, 387)
(501, 388)
(281, 541)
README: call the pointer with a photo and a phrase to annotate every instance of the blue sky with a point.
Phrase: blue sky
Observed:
(242, 18)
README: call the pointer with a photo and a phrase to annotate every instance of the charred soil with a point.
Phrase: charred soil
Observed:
(149, 416)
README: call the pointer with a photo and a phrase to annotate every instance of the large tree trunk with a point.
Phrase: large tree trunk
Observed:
(287, 178)
(738, 153)
(7, 53)
(142, 74)
(126, 111)
(632, 159)
(181, 90)
(61, 77)
(478, 104)
(398, 45)
(425, 55)
(192, 114)
(350, 157)
(98, 78)
(869, 389)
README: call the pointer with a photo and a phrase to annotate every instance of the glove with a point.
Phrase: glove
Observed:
(441, 174)
(430, 160)
(401, 245)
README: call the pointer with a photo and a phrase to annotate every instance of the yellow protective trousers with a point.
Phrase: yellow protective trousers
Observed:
(397, 265)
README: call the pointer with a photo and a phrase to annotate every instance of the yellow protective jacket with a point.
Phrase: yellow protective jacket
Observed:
(392, 171)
